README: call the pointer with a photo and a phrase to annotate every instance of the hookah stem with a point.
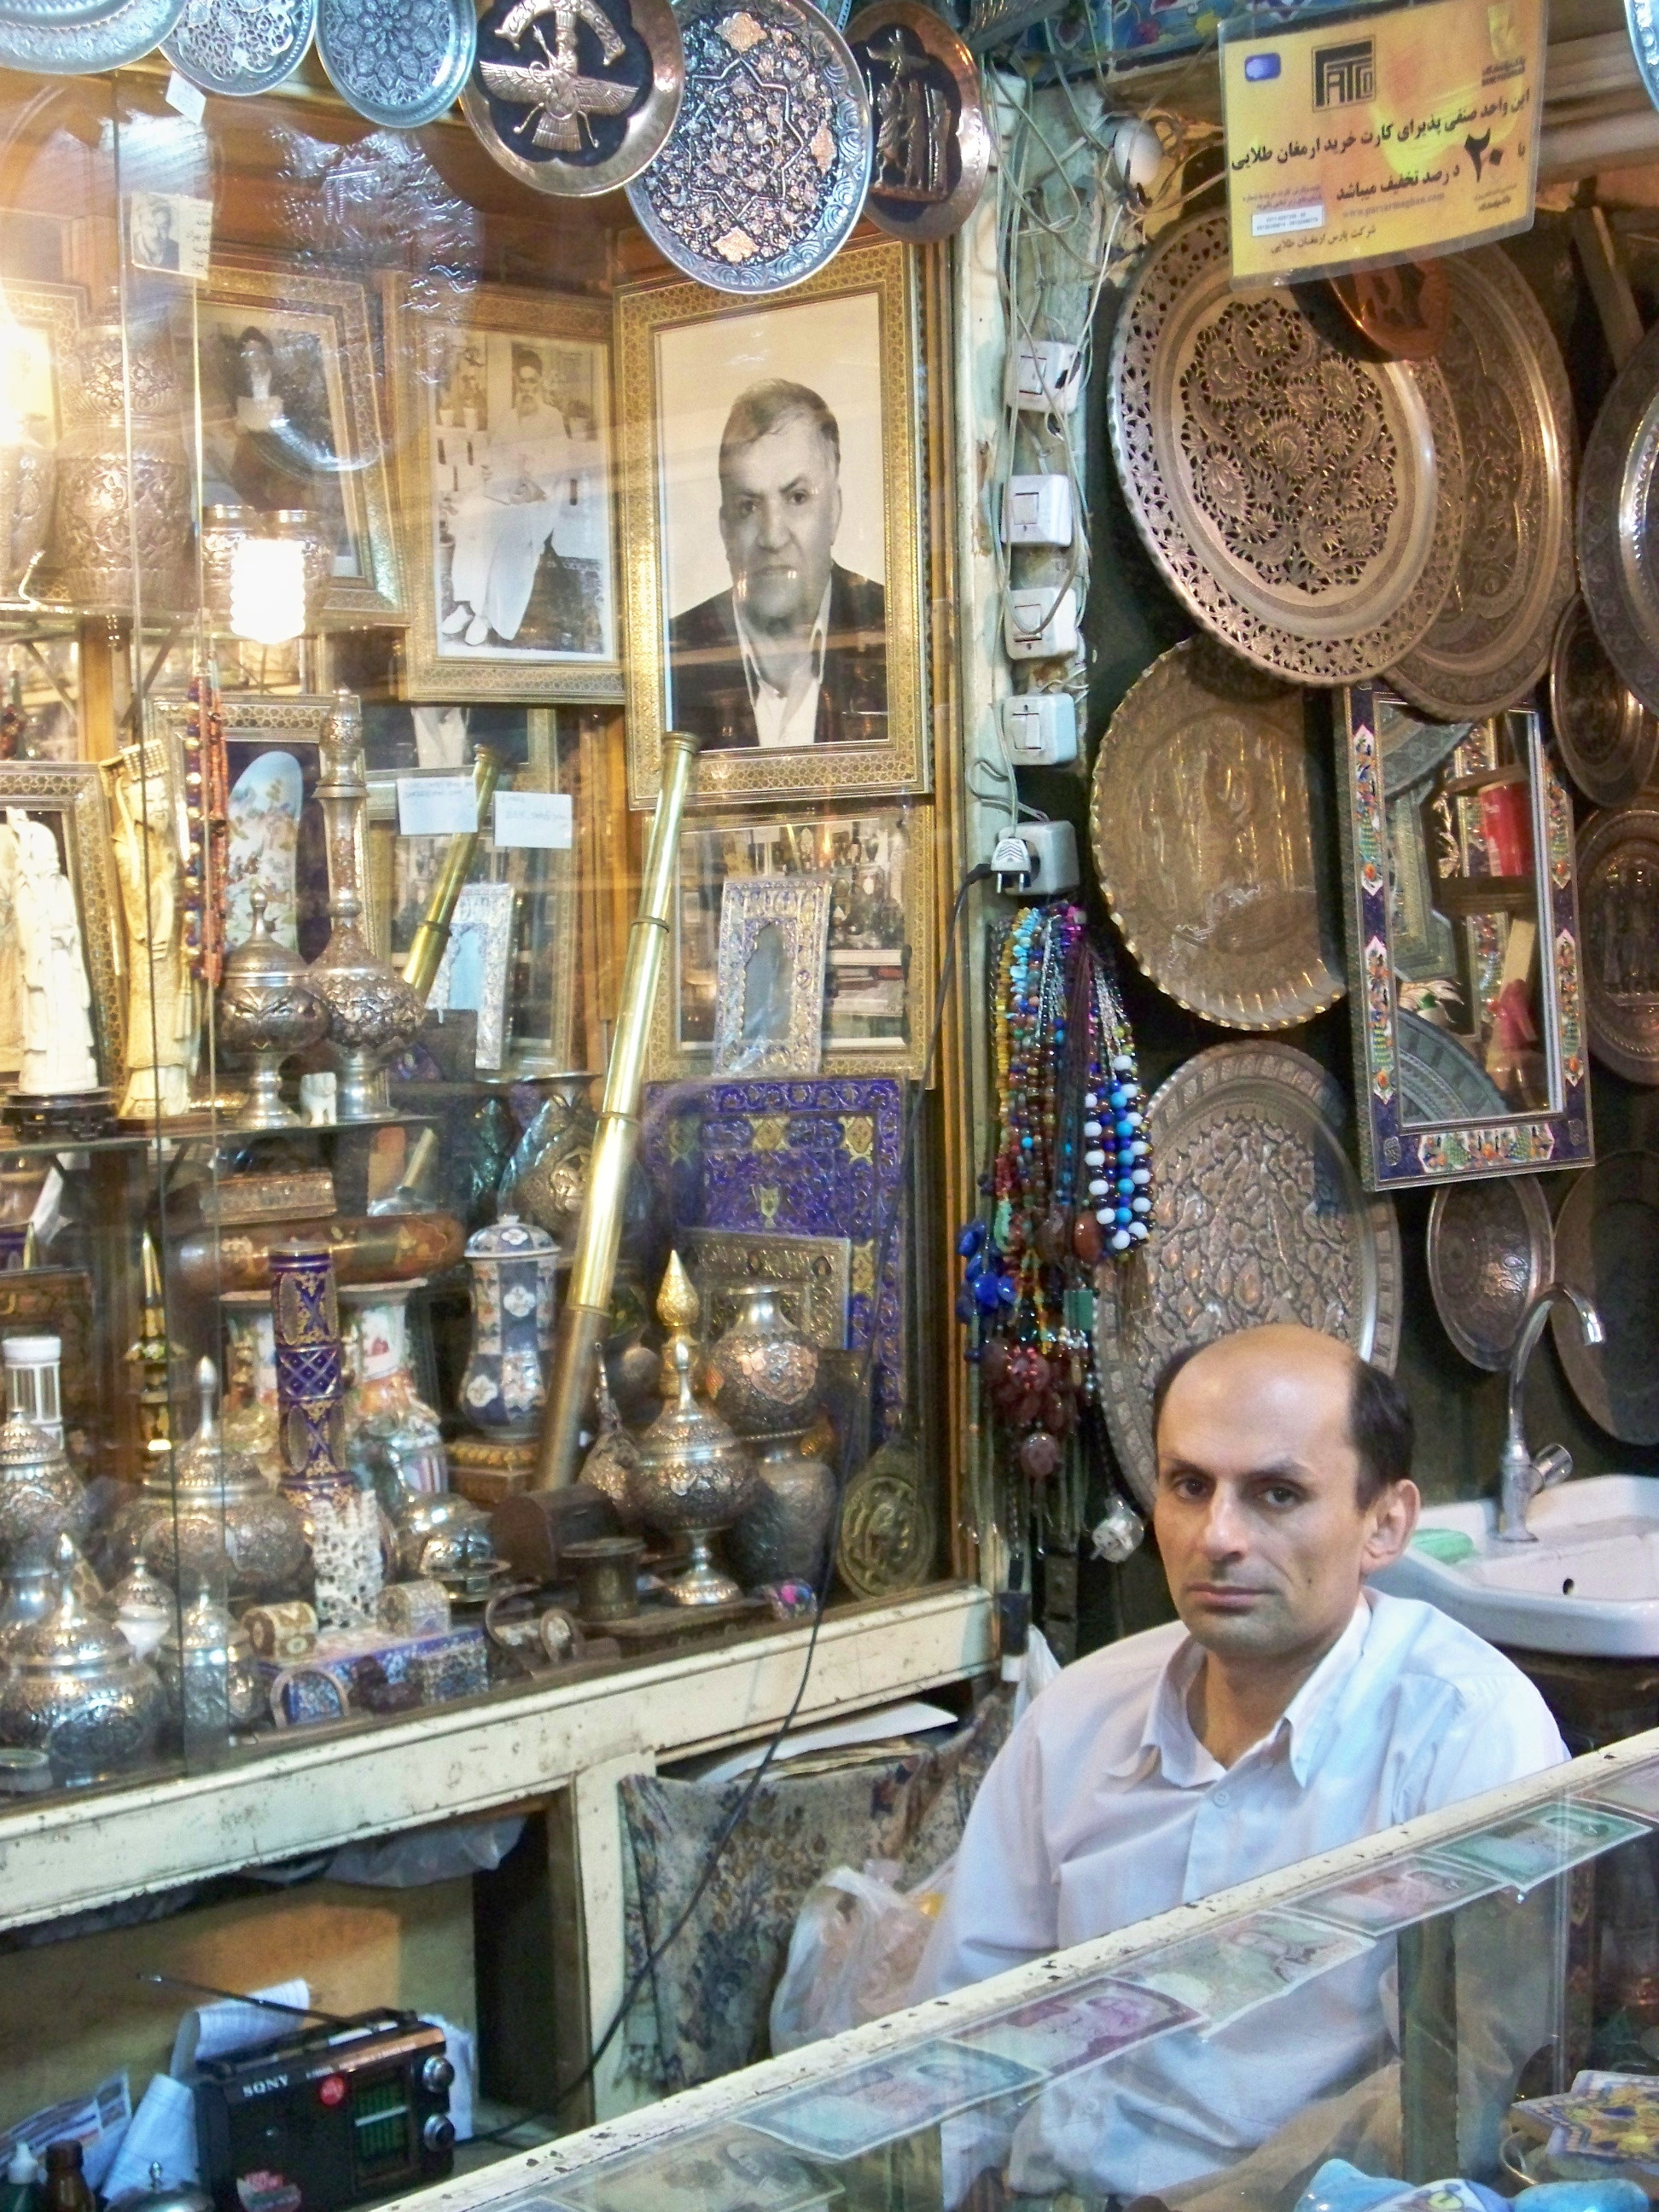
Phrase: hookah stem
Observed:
(585, 1315)
(426, 952)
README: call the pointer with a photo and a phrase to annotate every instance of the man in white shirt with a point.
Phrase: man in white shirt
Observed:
(1291, 1711)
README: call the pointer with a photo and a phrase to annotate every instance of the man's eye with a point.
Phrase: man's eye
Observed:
(1281, 1495)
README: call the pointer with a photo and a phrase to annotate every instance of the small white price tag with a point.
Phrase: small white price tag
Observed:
(543, 819)
(435, 805)
(186, 99)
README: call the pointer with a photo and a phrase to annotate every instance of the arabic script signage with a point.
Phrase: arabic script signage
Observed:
(1387, 135)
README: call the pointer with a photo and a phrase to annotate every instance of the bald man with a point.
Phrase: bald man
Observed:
(1289, 1712)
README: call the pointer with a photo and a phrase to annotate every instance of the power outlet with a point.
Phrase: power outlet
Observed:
(1042, 377)
(1037, 511)
(1038, 860)
(1039, 728)
(1039, 624)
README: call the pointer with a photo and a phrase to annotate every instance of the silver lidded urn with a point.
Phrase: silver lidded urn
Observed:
(762, 1374)
(41, 1497)
(74, 1690)
(267, 1010)
(208, 1673)
(694, 1478)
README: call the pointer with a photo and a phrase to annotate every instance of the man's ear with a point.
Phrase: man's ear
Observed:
(1393, 1518)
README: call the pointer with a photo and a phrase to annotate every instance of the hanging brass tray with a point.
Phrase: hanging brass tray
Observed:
(1608, 740)
(1492, 1249)
(1617, 857)
(1619, 522)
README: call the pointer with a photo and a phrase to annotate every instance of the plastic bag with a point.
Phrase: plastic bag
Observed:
(853, 1954)
(427, 1855)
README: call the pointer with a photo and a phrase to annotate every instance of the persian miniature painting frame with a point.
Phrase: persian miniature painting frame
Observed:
(1528, 905)
(690, 365)
(480, 946)
(537, 363)
(69, 795)
(768, 1006)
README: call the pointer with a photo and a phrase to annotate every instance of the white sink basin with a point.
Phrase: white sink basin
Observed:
(1589, 1586)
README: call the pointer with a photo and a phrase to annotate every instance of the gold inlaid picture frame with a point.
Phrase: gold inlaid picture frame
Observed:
(729, 409)
(67, 797)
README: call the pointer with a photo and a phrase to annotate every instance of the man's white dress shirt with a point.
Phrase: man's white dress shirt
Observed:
(1103, 1808)
(786, 719)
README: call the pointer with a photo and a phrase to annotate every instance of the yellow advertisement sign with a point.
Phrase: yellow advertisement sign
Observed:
(1384, 135)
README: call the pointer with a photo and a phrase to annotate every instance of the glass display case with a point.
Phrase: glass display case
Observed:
(1471, 1999)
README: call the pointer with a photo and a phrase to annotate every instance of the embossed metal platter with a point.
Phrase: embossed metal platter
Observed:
(1606, 1244)
(1619, 522)
(1492, 1249)
(1210, 818)
(1403, 311)
(887, 1530)
(1258, 1216)
(931, 141)
(1607, 739)
(1439, 1081)
(1618, 855)
(400, 63)
(1643, 30)
(115, 39)
(574, 97)
(46, 13)
(1490, 641)
(763, 175)
(1305, 505)
(241, 48)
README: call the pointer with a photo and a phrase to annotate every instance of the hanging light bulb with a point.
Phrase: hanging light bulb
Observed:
(267, 590)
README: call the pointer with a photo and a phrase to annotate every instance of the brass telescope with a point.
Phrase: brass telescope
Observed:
(426, 951)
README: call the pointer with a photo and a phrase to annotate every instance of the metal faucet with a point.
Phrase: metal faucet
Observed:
(1523, 1473)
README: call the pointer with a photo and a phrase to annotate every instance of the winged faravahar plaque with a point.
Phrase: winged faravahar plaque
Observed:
(575, 96)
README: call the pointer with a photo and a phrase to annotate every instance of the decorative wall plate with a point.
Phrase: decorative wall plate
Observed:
(400, 63)
(1490, 641)
(575, 96)
(1210, 820)
(763, 175)
(113, 38)
(1619, 519)
(1492, 1249)
(1257, 1216)
(241, 48)
(1606, 1244)
(1618, 909)
(1402, 311)
(1643, 30)
(1305, 505)
(47, 13)
(1608, 739)
(933, 144)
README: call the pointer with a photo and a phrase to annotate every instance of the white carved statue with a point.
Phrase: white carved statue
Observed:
(58, 1053)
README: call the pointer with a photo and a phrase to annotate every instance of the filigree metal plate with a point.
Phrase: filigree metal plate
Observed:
(1618, 903)
(112, 39)
(241, 48)
(1492, 1249)
(1490, 643)
(400, 63)
(1606, 1244)
(1618, 523)
(1257, 1216)
(1210, 820)
(933, 144)
(1306, 505)
(584, 113)
(764, 174)
(1608, 740)
(812, 1275)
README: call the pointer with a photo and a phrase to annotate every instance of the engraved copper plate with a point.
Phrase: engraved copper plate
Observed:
(1606, 1244)
(933, 144)
(1491, 1251)
(764, 173)
(1619, 905)
(574, 97)
(1210, 819)
(1490, 643)
(111, 39)
(241, 48)
(1403, 311)
(1608, 739)
(1306, 505)
(1258, 1216)
(1618, 523)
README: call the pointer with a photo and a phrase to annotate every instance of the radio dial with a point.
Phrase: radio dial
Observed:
(436, 2073)
(439, 2133)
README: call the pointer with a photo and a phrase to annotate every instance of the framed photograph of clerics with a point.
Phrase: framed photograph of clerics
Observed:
(503, 420)
(770, 534)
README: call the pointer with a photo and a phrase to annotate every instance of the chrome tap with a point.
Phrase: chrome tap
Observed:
(1523, 1473)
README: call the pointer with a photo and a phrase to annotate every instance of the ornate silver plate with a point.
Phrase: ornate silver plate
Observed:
(1210, 819)
(1490, 643)
(933, 144)
(1619, 908)
(57, 47)
(400, 63)
(1619, 522)
(1608, 739)
(241, 48)
(575, 96)
(1491, 1251)
(1305, 505)
(1257, 1216)
(764, 174)
(44, 13)
(1606, 1244)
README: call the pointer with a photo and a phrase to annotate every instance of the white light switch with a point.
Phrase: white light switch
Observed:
(1037, 511)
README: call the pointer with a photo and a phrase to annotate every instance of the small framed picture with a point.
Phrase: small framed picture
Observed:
(170, 235)
(768, 1004)
(473, 975)
(503, 415)
(63, 1013)
(770, 535)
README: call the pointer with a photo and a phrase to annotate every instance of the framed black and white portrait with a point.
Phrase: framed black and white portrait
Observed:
(771, 536)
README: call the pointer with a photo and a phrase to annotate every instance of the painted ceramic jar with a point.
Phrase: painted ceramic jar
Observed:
(393, 1444)
(342, 1523)
(505, 1385)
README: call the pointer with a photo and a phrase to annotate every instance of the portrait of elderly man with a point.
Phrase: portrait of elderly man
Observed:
(795, 652)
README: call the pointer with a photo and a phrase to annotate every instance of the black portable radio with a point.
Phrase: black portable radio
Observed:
(328, 2117)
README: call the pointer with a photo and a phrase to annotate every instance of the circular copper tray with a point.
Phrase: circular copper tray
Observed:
(1619, 522)
(1257, 1216)
(1305, 505)
(933, 144)
(1608, 739)
(1618, 929)
(1492, 1249)
(1606, 1244)
(1210, 819)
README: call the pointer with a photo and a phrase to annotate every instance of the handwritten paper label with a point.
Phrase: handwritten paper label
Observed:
(544, 820)
(435, 805)
(1393, 136)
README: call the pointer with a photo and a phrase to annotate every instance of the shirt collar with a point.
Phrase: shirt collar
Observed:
(1167, 1738)
(751, 672)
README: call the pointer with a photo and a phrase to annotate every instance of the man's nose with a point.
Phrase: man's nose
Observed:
(1223, 1527)
(773, 521)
